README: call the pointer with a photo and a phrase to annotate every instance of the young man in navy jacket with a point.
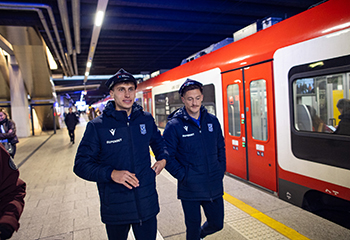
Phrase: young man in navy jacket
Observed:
(114, 152)
(197, 159)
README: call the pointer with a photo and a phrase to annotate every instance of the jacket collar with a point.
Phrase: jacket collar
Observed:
(110, 111)
(182, 113)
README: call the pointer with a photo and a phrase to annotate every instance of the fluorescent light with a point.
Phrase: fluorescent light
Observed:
(99, 18)
(52, 62)
(87, 73)
(316, 64)
(88, 64)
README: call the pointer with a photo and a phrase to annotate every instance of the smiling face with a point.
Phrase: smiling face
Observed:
(193, 102)
(124, 96)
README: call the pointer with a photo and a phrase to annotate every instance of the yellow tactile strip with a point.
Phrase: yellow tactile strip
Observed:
(254, 232)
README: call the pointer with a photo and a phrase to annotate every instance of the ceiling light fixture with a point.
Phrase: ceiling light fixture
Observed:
(99, 18)
(101, 8)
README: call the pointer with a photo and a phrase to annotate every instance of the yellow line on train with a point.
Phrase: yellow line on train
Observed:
(279, 227)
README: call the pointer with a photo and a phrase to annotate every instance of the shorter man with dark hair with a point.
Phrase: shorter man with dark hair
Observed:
(12, 193)
(197, 159)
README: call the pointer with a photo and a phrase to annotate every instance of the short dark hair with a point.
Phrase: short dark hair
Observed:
(191, 87)
(190, 84)
(344, 104)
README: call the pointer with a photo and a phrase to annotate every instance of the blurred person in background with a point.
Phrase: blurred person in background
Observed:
(343, 106)
(8, 136)
(71, 121)
(12, 193)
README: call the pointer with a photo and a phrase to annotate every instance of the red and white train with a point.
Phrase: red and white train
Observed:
(275, 94)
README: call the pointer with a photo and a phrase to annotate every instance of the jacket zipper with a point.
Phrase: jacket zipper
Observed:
(133, 168)
(207, 165)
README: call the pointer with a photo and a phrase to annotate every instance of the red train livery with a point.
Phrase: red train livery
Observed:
(275, 93)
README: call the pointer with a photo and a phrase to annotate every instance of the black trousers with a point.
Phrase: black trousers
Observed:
(71, 135)
(213, 210)
(146, 230)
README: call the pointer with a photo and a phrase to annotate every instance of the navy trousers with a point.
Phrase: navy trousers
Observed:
(146, 230)
(214, 212)
(71, 135)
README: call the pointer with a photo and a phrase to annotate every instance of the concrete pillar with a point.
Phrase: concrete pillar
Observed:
(19, 100)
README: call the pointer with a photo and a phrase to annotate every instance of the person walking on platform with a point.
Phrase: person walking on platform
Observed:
(8, 136)
(114, 152)
(92, 113)
(12, 193)
(71, 121)
(197, 160)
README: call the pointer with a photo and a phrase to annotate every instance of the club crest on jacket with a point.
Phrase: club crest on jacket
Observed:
(210, 127)
(143, 129)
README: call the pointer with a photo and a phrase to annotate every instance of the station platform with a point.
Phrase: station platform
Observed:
(60, 205)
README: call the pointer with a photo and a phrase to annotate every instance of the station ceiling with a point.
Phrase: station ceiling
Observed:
(141, 36)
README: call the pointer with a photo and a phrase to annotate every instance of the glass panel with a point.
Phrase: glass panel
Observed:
(150, 105)
(258, 109)
(316, 103)
(233, 110)
(210, 108)
(146, 105)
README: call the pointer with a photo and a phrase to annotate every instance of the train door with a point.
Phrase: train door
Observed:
(234, 123)
(251, 152)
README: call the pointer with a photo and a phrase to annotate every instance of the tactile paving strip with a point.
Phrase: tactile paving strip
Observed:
(248, 226)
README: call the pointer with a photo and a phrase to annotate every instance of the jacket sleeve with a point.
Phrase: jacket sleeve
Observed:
(7, 135)
(176, 169)
(12, 193)
(221, 147)
(87, 164)
(158, 145)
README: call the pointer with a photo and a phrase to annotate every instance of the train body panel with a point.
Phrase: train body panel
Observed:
(257, 86)
(308, 53)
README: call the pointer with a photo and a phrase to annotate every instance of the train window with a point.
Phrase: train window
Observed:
(258, 109)
(150, 105)
(316, 102)
(234, 119)
(138, 101)
(146, 105)
(166, 103)
(320, 111)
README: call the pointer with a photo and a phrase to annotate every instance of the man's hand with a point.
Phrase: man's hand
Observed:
(126, 178)
(159, 165)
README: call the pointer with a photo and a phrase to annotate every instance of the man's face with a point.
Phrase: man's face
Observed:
(193, 101)
(124, 96)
